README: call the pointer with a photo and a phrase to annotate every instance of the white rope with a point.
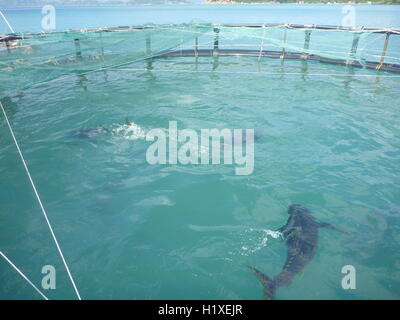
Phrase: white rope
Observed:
(40, 203)
(8, 24)
(23, 276)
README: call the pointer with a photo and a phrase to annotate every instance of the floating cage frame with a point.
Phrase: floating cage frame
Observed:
(283, 54)
(380, 65)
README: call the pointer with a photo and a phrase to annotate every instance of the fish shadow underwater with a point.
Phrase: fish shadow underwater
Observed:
(301, 236)
(94, 134)
(91, 134)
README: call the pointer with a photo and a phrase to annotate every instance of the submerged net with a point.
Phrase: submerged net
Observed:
(29, 59)
(330, 43)
(41, 57)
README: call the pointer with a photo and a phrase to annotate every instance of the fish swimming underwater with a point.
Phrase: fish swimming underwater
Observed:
(92, 133)
(257, 137)
(89, 133)
(301, 236)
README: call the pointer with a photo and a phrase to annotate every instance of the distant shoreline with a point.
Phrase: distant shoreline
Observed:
(300, 3)
(207, 2)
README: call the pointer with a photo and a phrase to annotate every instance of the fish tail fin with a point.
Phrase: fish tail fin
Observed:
(269, 284)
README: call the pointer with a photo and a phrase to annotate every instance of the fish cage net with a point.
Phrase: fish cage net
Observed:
(29, 59)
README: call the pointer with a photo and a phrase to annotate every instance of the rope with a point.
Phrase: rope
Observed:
(23, 276)
(40, 202)
(8, 24)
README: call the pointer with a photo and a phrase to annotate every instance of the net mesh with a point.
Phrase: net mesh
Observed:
(36, 58)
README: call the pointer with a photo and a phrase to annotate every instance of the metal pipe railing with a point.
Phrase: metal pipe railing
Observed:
(293, 26)
(381, 65)
(384, 50)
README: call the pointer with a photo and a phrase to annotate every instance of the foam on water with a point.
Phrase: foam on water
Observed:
(258, 241)
(253, 239)
(130, 131)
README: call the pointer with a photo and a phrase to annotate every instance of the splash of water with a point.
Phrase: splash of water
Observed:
(259, 242)
(130, 131)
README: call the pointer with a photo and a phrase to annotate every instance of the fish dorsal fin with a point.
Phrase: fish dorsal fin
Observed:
(329, 226)
(128, 122)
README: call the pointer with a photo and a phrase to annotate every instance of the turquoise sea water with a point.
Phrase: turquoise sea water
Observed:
(130, 230)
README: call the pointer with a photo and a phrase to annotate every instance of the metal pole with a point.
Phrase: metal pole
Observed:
(261, 44)
(216, 42)
(307, 40)
(8, 47)
(354, 46)
(101, 43)
(385, 46)
(78, 49)
(196, 47)
(306, 44)
(148, 52)
(148, 44)
(284, 42)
